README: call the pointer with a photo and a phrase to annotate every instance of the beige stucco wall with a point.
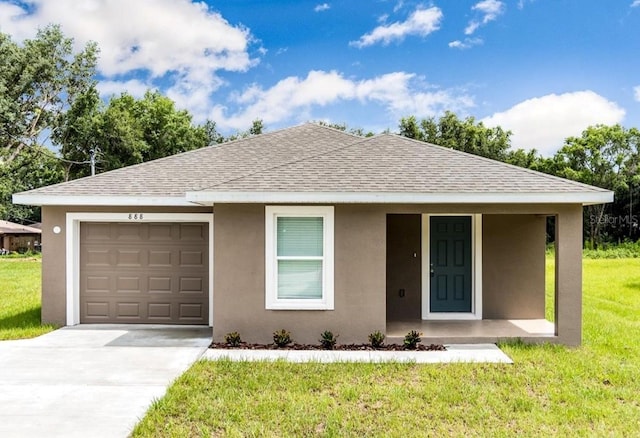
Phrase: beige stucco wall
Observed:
(513, 264)
(513, 234)
(239, 278)
(54, 253)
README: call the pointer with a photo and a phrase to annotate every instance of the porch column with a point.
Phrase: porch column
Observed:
(568, 278)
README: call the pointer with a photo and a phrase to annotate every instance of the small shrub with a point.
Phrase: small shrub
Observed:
(282, 338)
(233, 339)
(376, 339)
(411, 340)
(328, 340)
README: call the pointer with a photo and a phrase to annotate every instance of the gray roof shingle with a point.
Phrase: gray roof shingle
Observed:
(314, 158)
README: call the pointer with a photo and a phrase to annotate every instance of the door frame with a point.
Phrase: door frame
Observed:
(72, 249)
(476, 271)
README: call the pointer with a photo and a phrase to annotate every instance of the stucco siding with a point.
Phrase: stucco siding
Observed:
(239, 278)
(513, 266)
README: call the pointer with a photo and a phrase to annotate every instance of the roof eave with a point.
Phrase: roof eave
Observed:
(209, 198)
(40, 199)
(584, 198)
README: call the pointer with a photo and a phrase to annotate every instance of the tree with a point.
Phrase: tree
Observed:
(34, 167)
(463, 135)
(39, 81)
(603, 156)
(343, 127)
(127, 131)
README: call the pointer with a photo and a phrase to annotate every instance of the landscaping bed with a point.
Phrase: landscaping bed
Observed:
(343, 347)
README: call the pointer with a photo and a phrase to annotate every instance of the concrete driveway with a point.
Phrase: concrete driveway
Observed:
(91, 380)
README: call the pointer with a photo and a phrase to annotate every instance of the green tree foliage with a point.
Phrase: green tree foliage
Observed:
(464, 135)
(343, 127)
(39, 81)
(127, 131)
(34, 167)
(607, 157)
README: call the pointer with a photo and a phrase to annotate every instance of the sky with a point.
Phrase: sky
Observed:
(544, 69)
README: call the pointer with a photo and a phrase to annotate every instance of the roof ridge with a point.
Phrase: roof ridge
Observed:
(498, 162)
(287, 163)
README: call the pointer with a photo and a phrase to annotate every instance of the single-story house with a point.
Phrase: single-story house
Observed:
(310, 229)
(19, 238)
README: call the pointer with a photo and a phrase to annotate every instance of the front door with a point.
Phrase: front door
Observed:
(450, 263)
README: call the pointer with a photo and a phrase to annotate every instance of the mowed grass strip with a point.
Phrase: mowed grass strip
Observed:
(550, 390)
(20, 301)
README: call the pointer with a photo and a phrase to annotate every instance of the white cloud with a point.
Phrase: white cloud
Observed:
(636, 90)
(490, 10)
(178, 41)
(134, 87)
(521, 3)
(422, 22)
(635, 3)
(544, 122)
(466, 44)
(322, 7)
(293, 97)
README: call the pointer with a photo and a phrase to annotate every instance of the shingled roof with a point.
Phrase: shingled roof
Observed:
(313, 163)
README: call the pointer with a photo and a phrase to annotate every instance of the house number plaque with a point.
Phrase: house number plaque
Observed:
(136, 216)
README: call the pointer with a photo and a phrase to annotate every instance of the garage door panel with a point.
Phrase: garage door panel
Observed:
(129, 285)
(192, 258)
(160, 259)
(192, 232)
(129, 257)
(129, 232)
(97, 309)
(128, 310)
(97, 231)
(191, 285)
(160, 285)
(144, 273)
(159, 310)
(190, 311)
(98, 257)
(161, 232)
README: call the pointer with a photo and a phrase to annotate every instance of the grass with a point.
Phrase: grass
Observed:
(20, 298)
(551, 390)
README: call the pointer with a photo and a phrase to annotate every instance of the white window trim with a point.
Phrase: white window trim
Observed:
(272, 302)
(476, 271)
(73, 222)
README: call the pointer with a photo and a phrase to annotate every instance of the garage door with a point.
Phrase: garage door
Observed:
(148, 273)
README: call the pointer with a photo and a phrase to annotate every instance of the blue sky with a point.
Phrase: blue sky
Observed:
(545, 69)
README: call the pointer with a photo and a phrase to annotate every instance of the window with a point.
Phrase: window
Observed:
(299, 258)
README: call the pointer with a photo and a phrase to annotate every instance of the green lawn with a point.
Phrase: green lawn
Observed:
(20, 298)
(589, 391)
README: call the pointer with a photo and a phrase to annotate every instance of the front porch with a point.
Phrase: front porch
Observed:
(473, 331)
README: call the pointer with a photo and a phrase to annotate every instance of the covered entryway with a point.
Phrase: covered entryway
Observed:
(149, 272)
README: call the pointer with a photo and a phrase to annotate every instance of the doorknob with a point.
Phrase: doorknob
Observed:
(401, 293)
(431, 271)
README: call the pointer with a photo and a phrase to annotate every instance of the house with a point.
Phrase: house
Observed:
(312, 229)
(19, 238)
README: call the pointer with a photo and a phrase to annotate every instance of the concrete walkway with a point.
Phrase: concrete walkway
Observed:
(91, 381)
(99, 380)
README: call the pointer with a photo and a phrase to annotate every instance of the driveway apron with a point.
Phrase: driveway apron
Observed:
(91, 380)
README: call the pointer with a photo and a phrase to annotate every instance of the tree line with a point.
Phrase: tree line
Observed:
(49, 102)
(602, 156)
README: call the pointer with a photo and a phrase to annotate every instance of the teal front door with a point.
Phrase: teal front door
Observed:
(450, 263)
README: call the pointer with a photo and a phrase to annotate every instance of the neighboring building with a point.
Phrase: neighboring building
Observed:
(312, 229)
(20, 238)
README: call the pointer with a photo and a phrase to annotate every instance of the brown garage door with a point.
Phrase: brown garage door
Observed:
(144, 273)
